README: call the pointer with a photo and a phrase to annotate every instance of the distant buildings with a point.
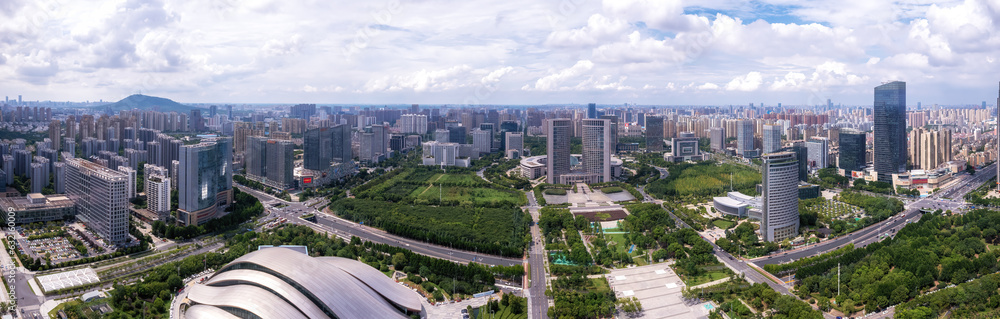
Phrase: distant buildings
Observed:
(413, 124)
(890, 130)
(204, 180)
(101, 197)
(592, 111)
(780, 209)
(443, 154)
(303, 111)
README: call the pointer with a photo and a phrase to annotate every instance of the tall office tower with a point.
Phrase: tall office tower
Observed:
(514, 142)
(280, 163)
(441, 136)
(9, 168)
(197, 122)
(613, 131)
(366, 153)
(229, 108)
(341, 139)
(597, 148)
(158, 194)
(592, 111)
(654, 133)
(54, 134)
(744, 137)
(59, 177)
(718, 138)
(559, 132)
(317, 148)
(413, 123)
(100, 197)
(380, 139)
(22, 162)
(212, 110)
(772, 138)
(890, 130)
(182, 123)
(457, 134)
(303, 111)
(39, 176)
(255, 159)
(819, 152)
(130, 186)
(780, 218)
(204, 180)
(482, 141)
(801, 151)
(852, 150)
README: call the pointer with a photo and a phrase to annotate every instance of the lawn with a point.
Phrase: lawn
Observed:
(504, 313)
(621, 244)
(712, 273)
(724, 224)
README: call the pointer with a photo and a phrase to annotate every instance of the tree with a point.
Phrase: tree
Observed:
(399, 261)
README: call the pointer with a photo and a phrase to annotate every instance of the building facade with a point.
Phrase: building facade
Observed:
(890, 130)
(558, 134)
(780, 209)
(204, 180)
(101, 197)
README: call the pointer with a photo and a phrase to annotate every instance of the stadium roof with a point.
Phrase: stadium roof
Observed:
(283, 283)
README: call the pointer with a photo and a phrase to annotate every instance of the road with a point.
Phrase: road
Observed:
(872, 233)
(538, 302)
(344, 228)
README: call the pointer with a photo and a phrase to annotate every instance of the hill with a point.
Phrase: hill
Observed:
(145, 102)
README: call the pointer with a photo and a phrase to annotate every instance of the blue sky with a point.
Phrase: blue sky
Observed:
(710, 52)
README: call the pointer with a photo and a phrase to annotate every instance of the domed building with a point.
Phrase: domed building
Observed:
(283, 283)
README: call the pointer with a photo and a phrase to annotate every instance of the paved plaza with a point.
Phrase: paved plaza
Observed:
(658, 289)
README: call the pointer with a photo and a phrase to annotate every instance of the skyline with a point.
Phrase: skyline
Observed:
(502, 52)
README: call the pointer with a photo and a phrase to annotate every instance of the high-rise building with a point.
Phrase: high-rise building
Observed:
(22, 162)
(852, 150)
(413, 123)
(597, 148)
(613, 130)
(780, 218)
(59, 177)
(441, 136)
(204, 180)
(772, 138)
(303, 111)
(482, 140)
(54, 134)
(457, 134)
(341, 139)
(101, 198)
(819, 152)
(929, 148)
(39, 176)
(515, 144)
(890, 130)
(592, 111)
(280, 164)
(158, 194)
(197, 122)
(744, 137)
(718, 137)
(559, 132)
(654, 133)
(255, 159)
(130, 186)
(317, 148)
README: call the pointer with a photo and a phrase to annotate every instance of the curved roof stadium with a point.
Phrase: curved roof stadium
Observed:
(283, 283)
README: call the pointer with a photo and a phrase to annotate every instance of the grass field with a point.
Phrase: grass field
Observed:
(422, 185)
(504, 313)
(709, 276)
(724, 224)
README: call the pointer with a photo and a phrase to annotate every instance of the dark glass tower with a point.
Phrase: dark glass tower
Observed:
(890, 130)
(852, 150)
(592, 111)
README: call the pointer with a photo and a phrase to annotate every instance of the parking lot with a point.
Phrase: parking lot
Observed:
(658, 289)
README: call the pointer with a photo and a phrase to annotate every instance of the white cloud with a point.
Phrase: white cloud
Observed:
(553, 81)
(747, 83)
(598, 29)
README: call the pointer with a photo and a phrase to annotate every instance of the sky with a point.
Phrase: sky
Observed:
(492, 52)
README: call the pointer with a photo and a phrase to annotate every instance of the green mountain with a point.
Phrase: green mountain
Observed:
(145, 102)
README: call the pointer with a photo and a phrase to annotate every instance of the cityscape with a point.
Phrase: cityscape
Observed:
(611, 159)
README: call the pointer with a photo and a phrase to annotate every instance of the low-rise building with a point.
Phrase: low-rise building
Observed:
(38, 208)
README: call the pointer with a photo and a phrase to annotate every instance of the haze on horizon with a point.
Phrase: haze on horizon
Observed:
(668, 52)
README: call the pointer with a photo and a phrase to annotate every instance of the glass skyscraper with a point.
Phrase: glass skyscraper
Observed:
(852, 150)
(890, 130)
